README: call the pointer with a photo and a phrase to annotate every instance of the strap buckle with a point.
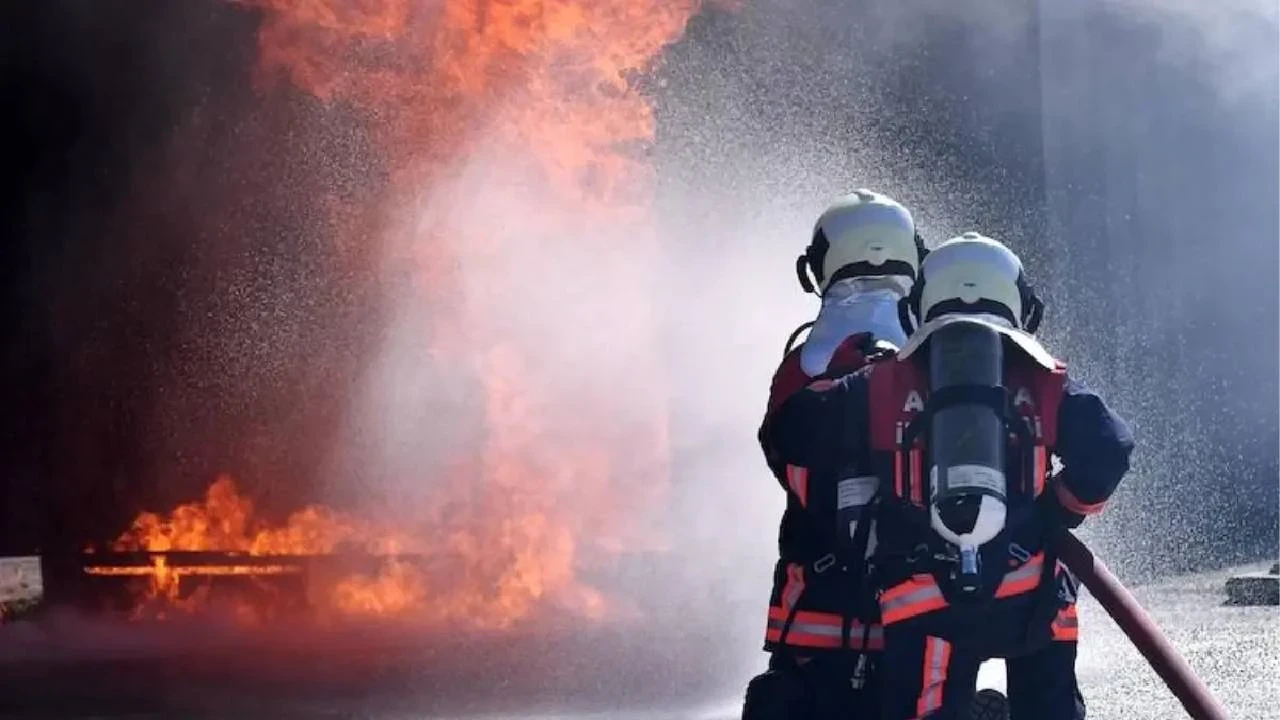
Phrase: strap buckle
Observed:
(824, 563)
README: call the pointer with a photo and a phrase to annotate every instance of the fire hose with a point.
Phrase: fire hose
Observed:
(1190, 690)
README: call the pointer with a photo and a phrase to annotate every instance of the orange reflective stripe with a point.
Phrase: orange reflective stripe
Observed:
(1040, 469)
(808, 629)
(801, 636)
(1066, 626)
(874, 636)
(821, 385)
(795, 586)
(912, 483)
(898, 489)
(1024, 579)
(798, 481)
(913, 597)
(1072, 503)
(937, 656)
(917, 477)
(821, 630)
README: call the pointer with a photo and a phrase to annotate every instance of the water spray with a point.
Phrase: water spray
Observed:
(1138, 626)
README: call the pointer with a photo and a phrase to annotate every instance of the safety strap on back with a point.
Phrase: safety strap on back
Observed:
(851, 556)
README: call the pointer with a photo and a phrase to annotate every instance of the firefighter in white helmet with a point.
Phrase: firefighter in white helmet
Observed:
(821, 630)
(959, 429)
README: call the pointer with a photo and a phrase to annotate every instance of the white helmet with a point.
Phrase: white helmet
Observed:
(973, 275)
(863, 234)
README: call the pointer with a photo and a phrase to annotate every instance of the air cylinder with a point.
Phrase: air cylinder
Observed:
(967, 441)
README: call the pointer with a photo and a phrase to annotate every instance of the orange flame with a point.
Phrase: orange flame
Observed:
(539, 95)
(416, 579)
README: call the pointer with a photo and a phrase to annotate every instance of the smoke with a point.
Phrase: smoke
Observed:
(1230, 45)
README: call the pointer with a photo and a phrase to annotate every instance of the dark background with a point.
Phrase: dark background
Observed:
(174, 306)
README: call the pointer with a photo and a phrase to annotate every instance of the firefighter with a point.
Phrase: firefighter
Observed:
(863, 261)
(961, 427)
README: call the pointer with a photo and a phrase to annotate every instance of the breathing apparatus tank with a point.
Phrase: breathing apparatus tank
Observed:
(968, 491)
(971, 295)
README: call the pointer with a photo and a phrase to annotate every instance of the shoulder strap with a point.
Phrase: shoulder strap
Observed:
(883, 379)
(1052, 386)
(795, 335)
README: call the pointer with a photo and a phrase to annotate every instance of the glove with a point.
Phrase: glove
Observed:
(1052, 512)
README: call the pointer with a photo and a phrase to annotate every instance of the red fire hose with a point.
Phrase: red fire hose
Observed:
(1141, 629)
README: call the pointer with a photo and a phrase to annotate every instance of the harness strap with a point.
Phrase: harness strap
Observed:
(861, 537)
(824, 563)
(795, 335)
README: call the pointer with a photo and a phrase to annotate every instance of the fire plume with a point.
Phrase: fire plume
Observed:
(514, 138)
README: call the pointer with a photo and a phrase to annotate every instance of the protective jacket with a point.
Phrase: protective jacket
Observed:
(865, 419)
(819, 602)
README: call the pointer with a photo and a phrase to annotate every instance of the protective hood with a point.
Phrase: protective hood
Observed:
(1024, 341)
(849, 307)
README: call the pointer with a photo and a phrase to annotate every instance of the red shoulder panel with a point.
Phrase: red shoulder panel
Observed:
(787, 380)
(890, 386)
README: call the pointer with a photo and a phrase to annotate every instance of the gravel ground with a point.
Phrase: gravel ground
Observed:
(1236, 650)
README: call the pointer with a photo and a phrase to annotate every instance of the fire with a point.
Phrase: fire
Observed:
(226, 522)
(513, 133)
(409, 579)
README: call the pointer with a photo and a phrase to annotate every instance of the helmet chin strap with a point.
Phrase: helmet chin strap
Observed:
(1033, 312)
(909, 309)
(802, 274)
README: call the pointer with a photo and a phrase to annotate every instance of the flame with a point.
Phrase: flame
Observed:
(480, 106)
(414, 578)
(226, 522)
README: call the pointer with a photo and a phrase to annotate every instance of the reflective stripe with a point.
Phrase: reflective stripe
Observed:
(794, 587)
(908, 599)
(1040, 469)
(1066, 626)
(937, 655)
(917, 476)
(898, 490)
(921, 594)
(912, 483)
(874, 636)
(798, 481)
(821, 630)
(1072, 503)
(1022, 580)
(821, 385)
